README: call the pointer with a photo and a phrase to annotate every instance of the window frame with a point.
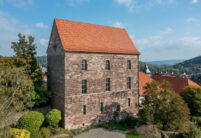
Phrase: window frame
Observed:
(107, 65)
(84, 64)
(101, 107)
(107, 84)
(84, 109)
(128, 64)
(84, 86)
(129, 102)
(129, 83)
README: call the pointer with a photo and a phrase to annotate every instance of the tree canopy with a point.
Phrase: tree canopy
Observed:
(25, 52)
(163, 107)
(192, 96)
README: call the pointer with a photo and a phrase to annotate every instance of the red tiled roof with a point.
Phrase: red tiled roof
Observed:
(177, 83)
(44, 77)
(143, 79)
(85, 37)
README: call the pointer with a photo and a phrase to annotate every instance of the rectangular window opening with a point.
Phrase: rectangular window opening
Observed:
(107, 65)
(84, 86)
(108, 84)
(101, 107)
(84, 64)
(129, 102)
(129, 64)
(129, 82)
(84, 110)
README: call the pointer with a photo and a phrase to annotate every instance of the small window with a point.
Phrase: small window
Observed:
(84, 110)
(101, 107)
(84, 86)
(118, 108)
(129, 82)
(129, 64)
(108, 84)
(84, 64)
(129, 102)
(107, 65)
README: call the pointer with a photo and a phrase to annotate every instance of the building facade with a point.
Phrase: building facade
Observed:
(92, 73)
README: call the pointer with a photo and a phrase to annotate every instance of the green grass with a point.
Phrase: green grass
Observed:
(113, 125)
(72, 132)
(132, 135)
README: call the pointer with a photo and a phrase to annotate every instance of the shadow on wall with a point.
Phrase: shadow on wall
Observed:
(110, 112)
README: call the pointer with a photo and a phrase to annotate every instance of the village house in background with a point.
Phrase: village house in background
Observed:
(92, 73)
(177, 83)
(143, 80)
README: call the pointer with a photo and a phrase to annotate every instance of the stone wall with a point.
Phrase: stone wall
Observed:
(56, 71)
(65, 76)
(96, 83)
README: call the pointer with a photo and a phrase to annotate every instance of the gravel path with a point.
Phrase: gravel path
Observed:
(101, 133)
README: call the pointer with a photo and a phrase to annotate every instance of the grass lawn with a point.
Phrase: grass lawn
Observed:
(132, 135)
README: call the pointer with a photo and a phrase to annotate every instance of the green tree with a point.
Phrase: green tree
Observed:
(192, 96)
(16, 91)
(25, 52)
(163, 107)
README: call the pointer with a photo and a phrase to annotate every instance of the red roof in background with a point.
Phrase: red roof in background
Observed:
(143, 79)
(177, 83)
(85, 37)
(44, 77)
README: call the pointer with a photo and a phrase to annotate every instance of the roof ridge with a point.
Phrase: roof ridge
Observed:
(91, 23)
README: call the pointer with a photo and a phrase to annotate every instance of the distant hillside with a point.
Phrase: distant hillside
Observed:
(165, 62)
(190, 63)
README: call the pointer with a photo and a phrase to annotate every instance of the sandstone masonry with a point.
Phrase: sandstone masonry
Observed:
(97, 105)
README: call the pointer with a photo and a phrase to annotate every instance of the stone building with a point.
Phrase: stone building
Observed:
(92, 73)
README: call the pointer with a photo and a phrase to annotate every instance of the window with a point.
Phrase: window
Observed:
(84, 86)
(129, 102)
(101, 107)
(128, 64)
(108, 84)
(107, 65)
(84, 110)
(84, 64)
(129, 82)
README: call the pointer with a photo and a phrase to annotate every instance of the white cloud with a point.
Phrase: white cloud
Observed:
(118, 24)
(127, 3)
(191, 41)
(41, 25)
(195, 1)
(167, 31)
(192, 19)
(43, 42)
(162, 48)
(9, 28)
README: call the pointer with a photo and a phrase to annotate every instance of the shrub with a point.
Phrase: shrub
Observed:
(36, 134)
(197, 120)
(53, 117)
(192, 96)
(130, 122)
(5, 132)
(20, 133)
(31, 121)
(163, 107)
(148, 131)
(192, 131)
(45, 132)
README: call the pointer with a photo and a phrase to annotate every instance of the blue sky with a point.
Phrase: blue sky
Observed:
(160, 29)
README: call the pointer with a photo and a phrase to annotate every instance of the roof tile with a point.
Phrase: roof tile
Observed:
(85, 37)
